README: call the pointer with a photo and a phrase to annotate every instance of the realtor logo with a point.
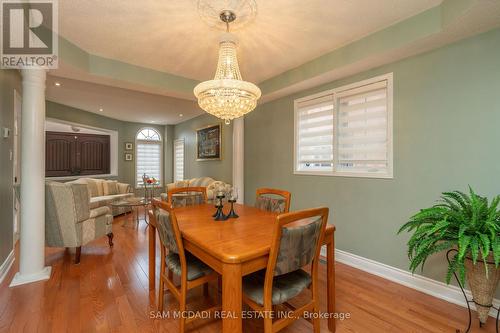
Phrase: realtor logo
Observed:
(29, 34)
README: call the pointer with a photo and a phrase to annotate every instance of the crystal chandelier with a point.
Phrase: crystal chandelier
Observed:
(227, 96)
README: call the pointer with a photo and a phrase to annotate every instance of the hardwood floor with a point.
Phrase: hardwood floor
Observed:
(108, 292)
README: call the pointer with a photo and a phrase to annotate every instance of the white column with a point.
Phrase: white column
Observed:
(32, 252)
(238, 157)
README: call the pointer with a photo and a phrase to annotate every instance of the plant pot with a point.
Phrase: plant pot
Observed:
(482, 287)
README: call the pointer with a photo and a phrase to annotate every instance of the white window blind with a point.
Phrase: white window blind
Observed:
(362, 130)
(314, 128)
(346, 131)
(179, 159)
(148, 155)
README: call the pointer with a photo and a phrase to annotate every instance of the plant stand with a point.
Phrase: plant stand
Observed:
(467, 301)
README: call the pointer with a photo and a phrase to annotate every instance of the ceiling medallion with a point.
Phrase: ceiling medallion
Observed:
(210, 10)
(227, 96)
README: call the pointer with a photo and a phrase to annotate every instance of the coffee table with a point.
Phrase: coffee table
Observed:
(133, 203)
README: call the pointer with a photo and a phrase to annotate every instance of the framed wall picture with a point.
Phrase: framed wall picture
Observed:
(129, 157)
(209, 143)
(129, 146)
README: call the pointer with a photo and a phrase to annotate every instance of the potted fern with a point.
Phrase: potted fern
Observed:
(469, 224)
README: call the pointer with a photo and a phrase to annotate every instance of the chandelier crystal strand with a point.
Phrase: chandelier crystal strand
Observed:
(227, 96)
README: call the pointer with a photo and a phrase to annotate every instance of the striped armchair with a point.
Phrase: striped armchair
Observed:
(69, 221)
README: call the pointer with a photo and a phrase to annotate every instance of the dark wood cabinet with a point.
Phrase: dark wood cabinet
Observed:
(75, 154)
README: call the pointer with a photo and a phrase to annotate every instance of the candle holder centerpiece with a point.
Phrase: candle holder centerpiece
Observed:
(219, 214)
(233, 197)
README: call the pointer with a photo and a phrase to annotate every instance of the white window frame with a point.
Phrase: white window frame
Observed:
(390, 149)
(183, 160)
(160, 142)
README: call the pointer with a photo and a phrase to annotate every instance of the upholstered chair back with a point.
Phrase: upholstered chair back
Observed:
(69, 219)
(297, 241)
(273, 200)
(66, 206)
(298, 245)
(192, 200)
(187, 196)
(166, 230)
(275, 205)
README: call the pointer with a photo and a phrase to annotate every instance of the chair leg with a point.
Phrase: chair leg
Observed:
(182, 309)
(78, 254)
(161, 287)
(315, 320)
(110, 239)
(182, 305)
(268, 324)
(161, 294)
(315, 295)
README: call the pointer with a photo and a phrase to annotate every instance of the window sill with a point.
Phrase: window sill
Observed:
(84, 176)
(345, 175)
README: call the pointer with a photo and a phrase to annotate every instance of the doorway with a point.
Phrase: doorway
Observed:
(17, 164)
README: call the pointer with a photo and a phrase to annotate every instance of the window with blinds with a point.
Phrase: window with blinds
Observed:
(148, 155)
(346, 131)
(179, 160)
(314, 134)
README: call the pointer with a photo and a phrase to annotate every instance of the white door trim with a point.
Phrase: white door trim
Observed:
(239, 157)
(16, 164)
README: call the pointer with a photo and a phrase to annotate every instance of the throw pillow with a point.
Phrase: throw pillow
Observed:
(92, 186)
(110, 187)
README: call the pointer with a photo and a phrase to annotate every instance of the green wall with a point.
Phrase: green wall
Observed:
(446, 136)
(9, 80)
(219, 170)
(126, 133)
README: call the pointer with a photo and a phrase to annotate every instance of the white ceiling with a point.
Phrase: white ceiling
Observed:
(170, 36)
(118, 103)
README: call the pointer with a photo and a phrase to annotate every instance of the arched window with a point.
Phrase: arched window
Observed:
(148, 154)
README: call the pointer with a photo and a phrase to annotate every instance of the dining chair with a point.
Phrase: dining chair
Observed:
(187, 196)
(266, 200)
(296, 243)
(192, 271)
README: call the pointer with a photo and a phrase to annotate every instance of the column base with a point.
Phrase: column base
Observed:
(19, 279)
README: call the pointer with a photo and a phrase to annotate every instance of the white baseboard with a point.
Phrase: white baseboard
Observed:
(42, 275)
(5, 267)
(421, 283)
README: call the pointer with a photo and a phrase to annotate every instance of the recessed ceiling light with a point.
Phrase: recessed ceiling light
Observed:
(57, 84)
(101, 109)
(152, 121)
(181, 115)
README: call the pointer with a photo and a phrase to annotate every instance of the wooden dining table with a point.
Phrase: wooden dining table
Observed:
(235, 248)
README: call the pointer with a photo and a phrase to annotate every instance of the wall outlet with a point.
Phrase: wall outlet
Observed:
(5, 132)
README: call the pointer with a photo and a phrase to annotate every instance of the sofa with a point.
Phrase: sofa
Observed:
(70, 221)
(211, 184)
(103, 192)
